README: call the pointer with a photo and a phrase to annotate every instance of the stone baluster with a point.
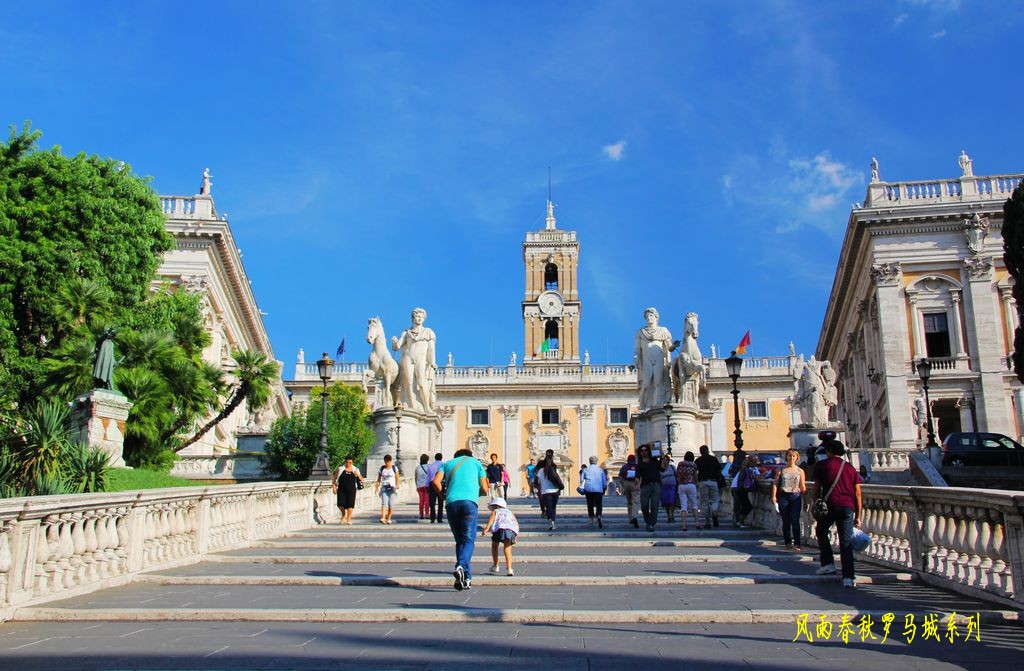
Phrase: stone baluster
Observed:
(1002, 580)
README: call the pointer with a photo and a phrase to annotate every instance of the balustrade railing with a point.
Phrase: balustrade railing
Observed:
(968, 540)
(939, 191)
(54, 545)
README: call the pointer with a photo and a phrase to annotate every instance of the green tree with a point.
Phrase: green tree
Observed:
(294, 441)
(256, 375)
(1013, 255)
(63, 217)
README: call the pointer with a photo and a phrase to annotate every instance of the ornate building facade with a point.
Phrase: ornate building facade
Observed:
(921, 275)
(206, 260)
(552, 397)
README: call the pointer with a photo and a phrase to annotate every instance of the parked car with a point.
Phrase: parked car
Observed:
(981, 449)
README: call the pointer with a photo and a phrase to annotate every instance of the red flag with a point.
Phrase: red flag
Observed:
(744, 344)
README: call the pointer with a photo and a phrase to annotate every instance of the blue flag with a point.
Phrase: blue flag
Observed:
(341, 348)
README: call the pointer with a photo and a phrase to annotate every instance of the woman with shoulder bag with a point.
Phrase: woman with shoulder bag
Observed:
(346, 480)
(387, 487)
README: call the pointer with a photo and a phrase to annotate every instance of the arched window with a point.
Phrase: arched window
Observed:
(551, 334)
(551, 277)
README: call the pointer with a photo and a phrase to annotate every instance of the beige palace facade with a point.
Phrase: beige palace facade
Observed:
(552, 397)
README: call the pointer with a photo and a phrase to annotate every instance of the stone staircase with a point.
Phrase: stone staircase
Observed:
(580, 597)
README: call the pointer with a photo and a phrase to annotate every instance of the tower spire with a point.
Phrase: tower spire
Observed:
(550, 221)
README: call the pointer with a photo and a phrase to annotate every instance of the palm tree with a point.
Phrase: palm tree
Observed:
(255, 375)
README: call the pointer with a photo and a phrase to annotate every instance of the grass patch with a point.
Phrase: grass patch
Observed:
(125, 479)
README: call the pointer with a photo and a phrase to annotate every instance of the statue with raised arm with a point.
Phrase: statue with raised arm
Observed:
(652, 350)
(103, 364)
(418, 364)
(816, 392)
(874, 170)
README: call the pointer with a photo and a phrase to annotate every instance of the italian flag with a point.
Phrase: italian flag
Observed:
(544, 347)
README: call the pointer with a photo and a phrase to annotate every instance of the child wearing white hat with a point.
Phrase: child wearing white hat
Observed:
(504, 528)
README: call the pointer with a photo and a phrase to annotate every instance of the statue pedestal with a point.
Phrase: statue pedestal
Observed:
(690, 425)
(420, 434)
(97, 420)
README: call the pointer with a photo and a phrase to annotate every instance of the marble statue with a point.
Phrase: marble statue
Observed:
(874, 170)
(302, 356)
(204, 189)
(652, 350)
(714, 354)
(792, 348)
(586, 357)
(103, 365)
(381, 364)
(688, 367)
(451, 361)
(816, 392)
(512, 359)
(418, 364)
(966, 164)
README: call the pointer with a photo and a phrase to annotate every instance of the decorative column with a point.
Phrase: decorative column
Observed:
(586, 439)
(1009, 316)
(915, 321)
(512, 447)
(892, 330)
(983, 321)
(446, 413)
(958, 338)
(1018, 407)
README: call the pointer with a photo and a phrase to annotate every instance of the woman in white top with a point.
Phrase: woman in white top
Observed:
(387, 487)
(594, 482)
(787, 493)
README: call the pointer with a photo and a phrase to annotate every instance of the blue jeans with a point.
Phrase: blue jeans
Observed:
(790, 506)
(843, 519)
(462, 520)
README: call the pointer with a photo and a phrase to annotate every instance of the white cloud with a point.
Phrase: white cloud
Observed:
(615, 152)
(939, 34)
(793, 194)
(896, 22)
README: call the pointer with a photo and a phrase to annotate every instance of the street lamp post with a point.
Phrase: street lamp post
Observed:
(733, 364)
(324, 367)
(924, 371)
(398, 436)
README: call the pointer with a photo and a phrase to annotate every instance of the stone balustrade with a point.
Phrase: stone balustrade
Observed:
(968, 540)
(55, 546)
(219, 467)
(884, 459)
(967, 188)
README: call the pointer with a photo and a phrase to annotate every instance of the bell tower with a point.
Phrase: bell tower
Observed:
(551, 305)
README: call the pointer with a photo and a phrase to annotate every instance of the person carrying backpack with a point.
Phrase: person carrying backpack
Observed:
(743, 484)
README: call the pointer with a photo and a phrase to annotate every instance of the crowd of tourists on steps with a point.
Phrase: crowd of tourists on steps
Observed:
(690, 490)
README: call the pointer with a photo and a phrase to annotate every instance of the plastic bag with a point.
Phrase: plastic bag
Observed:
(860, 540)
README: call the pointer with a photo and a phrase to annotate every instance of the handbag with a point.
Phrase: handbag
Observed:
(581, 490)
(819, 507)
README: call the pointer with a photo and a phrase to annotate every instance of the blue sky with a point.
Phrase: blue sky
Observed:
(376, 156)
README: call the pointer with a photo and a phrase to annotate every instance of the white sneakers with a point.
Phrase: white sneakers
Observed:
(494, 569)
(511, 572)
(827, 569)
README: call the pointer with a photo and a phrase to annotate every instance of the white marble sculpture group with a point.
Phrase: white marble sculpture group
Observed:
(661, 379)
(409, 381)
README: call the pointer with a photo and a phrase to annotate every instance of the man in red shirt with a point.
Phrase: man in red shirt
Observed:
(844, 506)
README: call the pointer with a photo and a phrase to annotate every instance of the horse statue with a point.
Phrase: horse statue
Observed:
(688, 366)
(381, 364)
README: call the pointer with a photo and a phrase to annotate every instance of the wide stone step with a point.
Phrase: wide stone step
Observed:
(244, 556)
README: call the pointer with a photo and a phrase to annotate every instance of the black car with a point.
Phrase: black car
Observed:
(981, 449)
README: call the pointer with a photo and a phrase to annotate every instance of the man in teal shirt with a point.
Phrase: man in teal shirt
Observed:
(463, 478)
